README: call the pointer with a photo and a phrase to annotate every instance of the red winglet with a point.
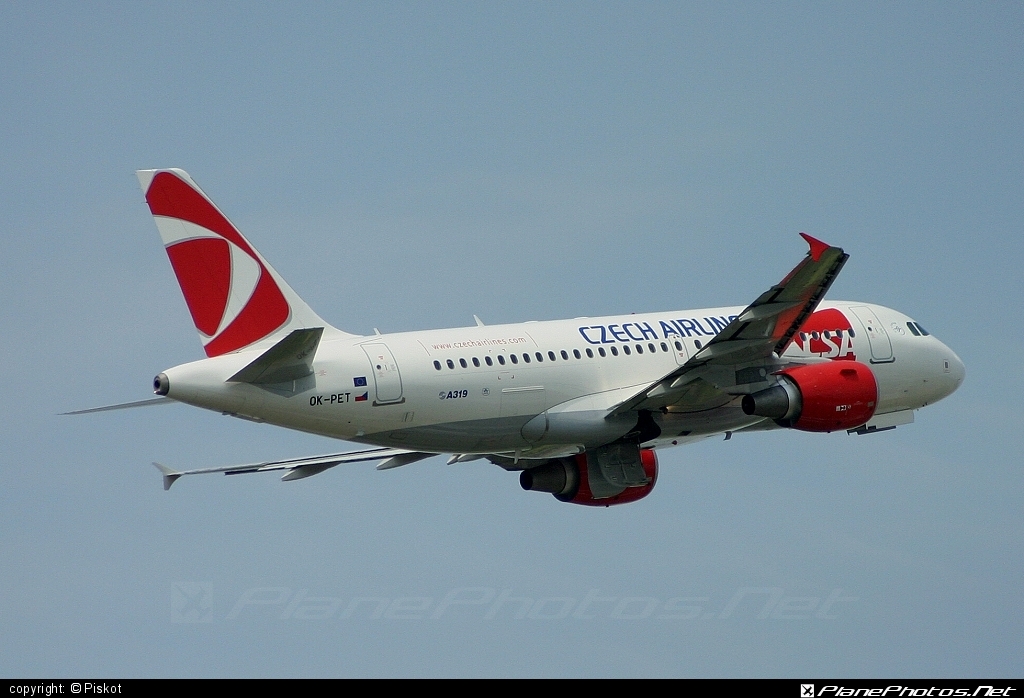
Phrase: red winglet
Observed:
(817, 246)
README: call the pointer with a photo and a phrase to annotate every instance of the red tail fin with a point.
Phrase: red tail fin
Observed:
(235, 297)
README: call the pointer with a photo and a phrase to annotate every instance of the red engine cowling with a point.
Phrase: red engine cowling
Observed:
(819, 397)
(580, 481)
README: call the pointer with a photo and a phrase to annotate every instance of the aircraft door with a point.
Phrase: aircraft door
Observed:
(679, 350)
(878, 338)
(387, 379)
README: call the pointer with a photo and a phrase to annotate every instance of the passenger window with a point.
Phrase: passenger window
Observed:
(488, 361)
(514, 358)
(566, 356)
(590, 352)
(576, 353)
(462, 362)
(551, 355)
(476, 362)
(679, 346)
(615, 351)
(540, 357)
(501, 359)
(626, 350)
(600, 351)
(664, 347)
(437, 365)
(697, 343)
(640, 348)
(526, 358)
(650, 348)
(451, 364)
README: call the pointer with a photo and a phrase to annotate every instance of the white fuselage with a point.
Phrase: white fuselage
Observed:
(544, 389)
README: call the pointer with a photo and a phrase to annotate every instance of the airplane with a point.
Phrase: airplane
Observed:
(578, 407)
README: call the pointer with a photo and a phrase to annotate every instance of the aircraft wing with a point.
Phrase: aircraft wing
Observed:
(299, 468)
(758, 335)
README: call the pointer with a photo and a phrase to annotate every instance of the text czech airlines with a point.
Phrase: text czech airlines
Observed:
(643, 331)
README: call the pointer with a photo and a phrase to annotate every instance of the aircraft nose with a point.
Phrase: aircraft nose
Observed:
(953, 370)
(957, 370)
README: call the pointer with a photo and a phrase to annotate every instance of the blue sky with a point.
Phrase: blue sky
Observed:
(407, 165)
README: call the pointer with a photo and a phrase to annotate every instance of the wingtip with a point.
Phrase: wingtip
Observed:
(817, 246)
(169, 474)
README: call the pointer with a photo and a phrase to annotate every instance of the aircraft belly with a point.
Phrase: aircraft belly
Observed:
(488, 435)
(590, 428)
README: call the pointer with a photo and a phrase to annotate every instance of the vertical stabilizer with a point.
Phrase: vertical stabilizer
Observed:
(235, 297)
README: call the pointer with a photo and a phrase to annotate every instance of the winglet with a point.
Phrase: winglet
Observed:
(817, 246)
(169, 475)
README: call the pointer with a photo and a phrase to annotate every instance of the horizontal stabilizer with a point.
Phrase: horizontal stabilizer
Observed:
(288, 360)
(125, 405)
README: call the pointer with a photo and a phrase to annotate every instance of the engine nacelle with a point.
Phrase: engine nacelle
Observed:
(614, 474)
(818, 397)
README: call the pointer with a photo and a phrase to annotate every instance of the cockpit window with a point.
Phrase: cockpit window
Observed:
(913, 330)
(921, 329)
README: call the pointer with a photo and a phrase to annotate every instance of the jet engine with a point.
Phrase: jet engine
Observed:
(613, 474)
(818, 397)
